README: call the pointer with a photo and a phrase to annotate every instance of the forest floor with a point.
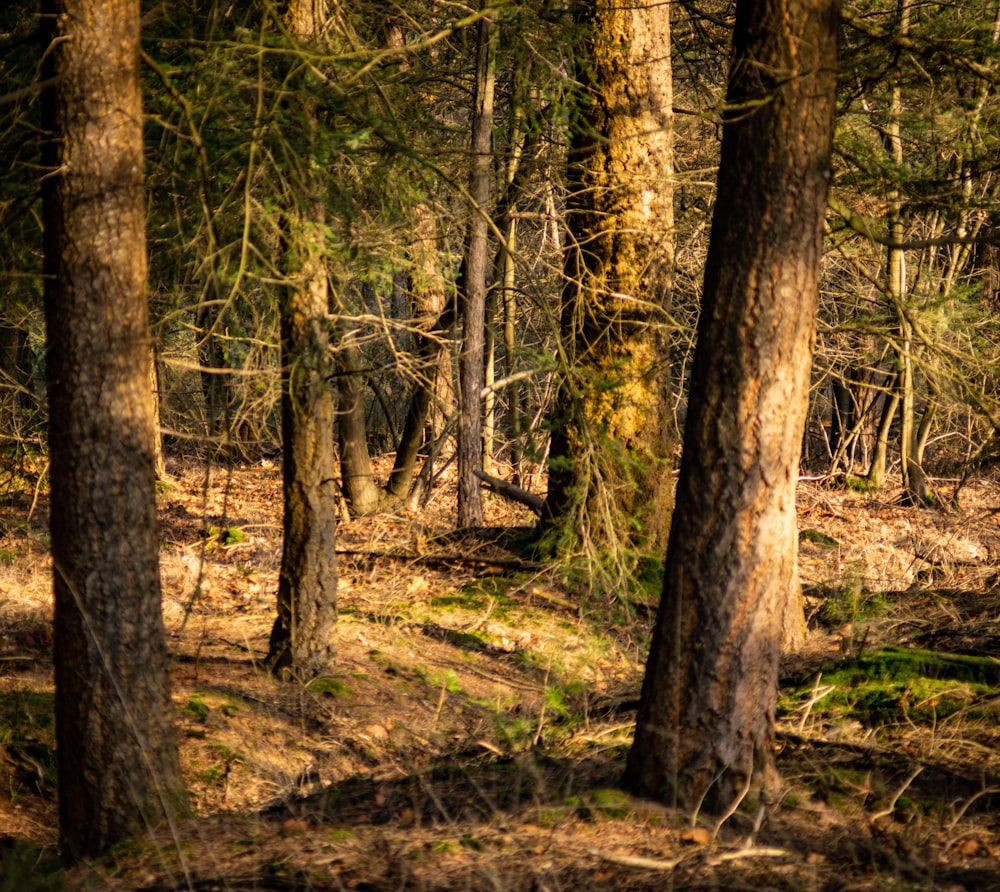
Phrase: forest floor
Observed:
(478, 720)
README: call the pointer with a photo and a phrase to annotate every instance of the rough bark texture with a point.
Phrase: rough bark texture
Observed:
(705, 730)
(118, 764)
(302, 640)
(473, 288)
(610, 442)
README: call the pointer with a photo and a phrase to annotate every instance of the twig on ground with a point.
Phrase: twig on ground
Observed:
(888, 810)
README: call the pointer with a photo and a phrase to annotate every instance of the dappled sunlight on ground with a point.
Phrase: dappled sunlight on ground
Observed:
(474, 730)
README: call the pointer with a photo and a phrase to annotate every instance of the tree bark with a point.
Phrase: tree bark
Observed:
(705, 728)
(880, 452)
(473, 286)
(433, 317)
(609, 459)
(914, 479)
(522, 147)
(356, 475)
(215, 373)
(159, 457)
(302, 637)
(118, 763)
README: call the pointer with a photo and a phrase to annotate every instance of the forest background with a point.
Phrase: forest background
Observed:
(903, 379)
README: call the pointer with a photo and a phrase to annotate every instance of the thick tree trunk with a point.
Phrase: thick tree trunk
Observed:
(705, 729)
(302, 640)
(610, 451)
(473, 286)
(118, 764)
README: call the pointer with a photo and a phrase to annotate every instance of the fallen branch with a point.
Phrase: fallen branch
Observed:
(513, 492)
(670, 864)
(635, 861)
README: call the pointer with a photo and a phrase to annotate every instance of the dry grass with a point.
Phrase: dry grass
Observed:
(475, 728)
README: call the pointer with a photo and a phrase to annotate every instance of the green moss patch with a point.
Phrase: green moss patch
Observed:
(886, 685)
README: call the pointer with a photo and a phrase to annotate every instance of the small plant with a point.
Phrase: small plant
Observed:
(226, 752)
(197, 709)
(517, 733)
(853, 603)
(611, 803)
(555, 702)
(233, 536)
(862, 485)
(607, 802)
(331, 687)
(214, 777)
(227, 536)
(818, 538)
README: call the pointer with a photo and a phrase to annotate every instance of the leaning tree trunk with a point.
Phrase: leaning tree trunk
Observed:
(302, 637)
(705, 729)
(356, 475)
(875, 477)
(610, 450)
(118, 765)
(433, 317)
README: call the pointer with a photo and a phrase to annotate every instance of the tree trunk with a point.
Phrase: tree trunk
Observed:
(216, 373)
(489, 379)
(302, 637)
(519, 144)
(914, 480)
(473, 286)
(514, 422)
(430, 349)
(159, 457)
(118, 763)
(610, 450)
(356, 475)
(880, 452)
(843, 422)
(705, 728)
